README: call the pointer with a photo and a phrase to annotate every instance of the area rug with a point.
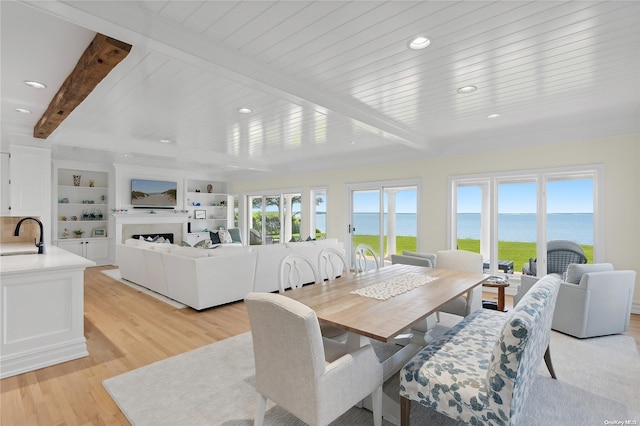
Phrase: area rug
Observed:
(115, 274)
(213, 385)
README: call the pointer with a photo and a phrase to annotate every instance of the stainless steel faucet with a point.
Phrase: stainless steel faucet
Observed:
(40, 245)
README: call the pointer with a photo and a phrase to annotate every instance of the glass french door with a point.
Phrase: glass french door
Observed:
(274, 218)
(383, 216)
(264, 222)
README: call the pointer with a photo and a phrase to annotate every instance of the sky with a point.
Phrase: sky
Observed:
(574, 196)
(369, 202)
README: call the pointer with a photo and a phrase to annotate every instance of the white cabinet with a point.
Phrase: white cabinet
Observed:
(30, 189)
(95, 249)
(42, 311)
(5, 178)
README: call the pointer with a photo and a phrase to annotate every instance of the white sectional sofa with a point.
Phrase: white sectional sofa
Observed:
(203, 278)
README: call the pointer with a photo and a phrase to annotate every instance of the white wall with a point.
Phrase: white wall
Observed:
(620, 157)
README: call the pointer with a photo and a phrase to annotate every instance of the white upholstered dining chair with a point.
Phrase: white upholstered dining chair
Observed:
(294, 273)
(465, 261)
(314, 379)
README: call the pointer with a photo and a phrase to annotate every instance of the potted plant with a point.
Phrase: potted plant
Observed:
(78, 233)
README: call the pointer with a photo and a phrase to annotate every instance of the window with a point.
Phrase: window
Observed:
(318, 213)
(274, 218)
(236, 211)
(509, 218)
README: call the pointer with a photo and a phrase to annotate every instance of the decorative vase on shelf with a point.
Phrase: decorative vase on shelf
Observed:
(209, 188)
(76, 180)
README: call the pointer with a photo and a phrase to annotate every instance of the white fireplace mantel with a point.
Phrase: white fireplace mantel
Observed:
(148, 218)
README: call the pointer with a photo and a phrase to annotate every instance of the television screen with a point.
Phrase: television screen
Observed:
(153, 193)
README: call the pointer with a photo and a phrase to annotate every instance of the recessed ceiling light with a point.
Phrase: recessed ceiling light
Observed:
(35, 84)
(493, 116)
(165, 141)
(23, 111)
(419, 42)
(467, 89)
(245, 110)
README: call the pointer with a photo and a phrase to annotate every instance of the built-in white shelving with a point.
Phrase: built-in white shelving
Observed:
(81, 213)
(209, 210)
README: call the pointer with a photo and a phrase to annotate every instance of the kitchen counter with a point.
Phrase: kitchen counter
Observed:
(54, 259)
(41, 309)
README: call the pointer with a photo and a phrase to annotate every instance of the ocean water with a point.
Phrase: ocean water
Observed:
(576, 227)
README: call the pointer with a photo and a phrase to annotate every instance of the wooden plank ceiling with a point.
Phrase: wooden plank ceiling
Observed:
(332, 83)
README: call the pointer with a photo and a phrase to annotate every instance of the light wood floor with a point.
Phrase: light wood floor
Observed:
(125, 329)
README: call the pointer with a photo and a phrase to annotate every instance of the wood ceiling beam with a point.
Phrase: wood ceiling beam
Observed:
(99, 58)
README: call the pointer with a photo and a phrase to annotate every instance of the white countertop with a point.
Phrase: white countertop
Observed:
(17, 248)
(55, 258)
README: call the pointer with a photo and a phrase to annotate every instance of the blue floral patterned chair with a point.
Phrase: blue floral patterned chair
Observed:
(479, 372)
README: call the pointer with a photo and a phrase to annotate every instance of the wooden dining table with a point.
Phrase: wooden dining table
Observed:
(385, 320)
(335, 304)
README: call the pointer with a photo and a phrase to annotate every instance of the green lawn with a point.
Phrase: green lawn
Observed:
(507, 250)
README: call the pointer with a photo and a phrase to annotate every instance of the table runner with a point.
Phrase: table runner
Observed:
(395, 286)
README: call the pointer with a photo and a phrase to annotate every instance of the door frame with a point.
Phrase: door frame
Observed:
(379, 186)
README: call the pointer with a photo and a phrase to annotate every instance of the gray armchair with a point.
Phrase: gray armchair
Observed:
(593, 300)
(560, 253)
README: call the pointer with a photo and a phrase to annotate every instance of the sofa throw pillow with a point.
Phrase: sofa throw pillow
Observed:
(184, 244)
(225, 237)
(202, 244)
(575, 271)
(215, 237)
(235, 235)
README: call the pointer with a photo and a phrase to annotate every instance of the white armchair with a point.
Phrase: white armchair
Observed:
(297, 372)
(593, 300)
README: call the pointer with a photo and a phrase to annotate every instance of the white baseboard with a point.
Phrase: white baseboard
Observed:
(30, 360)
(635, 307)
